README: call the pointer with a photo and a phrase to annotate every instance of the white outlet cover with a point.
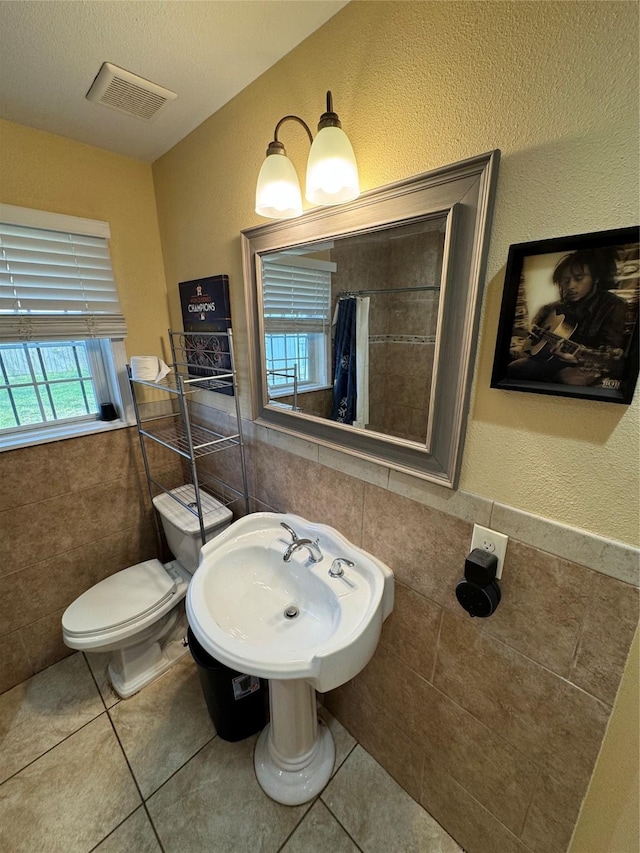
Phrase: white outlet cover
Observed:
(492, 541)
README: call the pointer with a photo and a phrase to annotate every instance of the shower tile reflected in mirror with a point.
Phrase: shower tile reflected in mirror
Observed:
(394, 274)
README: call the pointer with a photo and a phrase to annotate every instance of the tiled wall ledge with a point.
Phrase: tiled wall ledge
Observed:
(607, 556)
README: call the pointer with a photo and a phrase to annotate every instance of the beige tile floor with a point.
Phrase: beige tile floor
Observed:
(81, 770)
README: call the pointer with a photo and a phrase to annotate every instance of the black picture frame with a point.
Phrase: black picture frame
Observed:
(583, 343)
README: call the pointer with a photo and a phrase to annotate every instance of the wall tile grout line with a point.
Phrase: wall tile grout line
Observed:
(580, 632)
(437, 821)
(530, 803)
(477, 719)
(493, 505)
(495, 731)
(485, 809)
(563, 678)
(27, 658)
(504, 643)
(9, 575)
(437, 649)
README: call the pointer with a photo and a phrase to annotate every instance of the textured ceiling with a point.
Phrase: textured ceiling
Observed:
(206, 52)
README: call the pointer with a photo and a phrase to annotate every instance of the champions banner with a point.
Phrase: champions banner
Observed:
(206, 309)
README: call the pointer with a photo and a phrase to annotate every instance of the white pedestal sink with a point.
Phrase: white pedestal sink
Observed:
(304, 625)
(294, 755)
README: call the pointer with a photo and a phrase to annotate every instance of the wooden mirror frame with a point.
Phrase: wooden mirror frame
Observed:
(463, 192)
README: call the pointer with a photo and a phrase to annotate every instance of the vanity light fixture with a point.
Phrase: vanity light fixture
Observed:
(332, 171)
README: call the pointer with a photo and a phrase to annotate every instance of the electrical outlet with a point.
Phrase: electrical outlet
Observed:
(492, 541)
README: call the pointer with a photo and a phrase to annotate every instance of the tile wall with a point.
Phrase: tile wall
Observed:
(400, 375)
(401, 329)
(71, 513)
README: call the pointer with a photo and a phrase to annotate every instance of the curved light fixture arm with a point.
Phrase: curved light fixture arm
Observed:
(327, 119)
(292, 118)
(276, 147)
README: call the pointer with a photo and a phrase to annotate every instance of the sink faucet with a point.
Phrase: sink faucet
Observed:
(314, 551)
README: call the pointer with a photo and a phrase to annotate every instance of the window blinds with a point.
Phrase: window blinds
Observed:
(56, 284)
(296, 294)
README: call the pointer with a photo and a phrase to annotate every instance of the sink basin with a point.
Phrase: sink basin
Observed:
(242, 591)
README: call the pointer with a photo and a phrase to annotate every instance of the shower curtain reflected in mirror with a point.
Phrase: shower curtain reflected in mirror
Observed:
(350, 404)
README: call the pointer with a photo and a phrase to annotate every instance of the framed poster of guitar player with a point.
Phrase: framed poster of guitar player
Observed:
(569, 317)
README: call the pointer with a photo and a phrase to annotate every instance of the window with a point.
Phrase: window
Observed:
(61, 328)
(297, 303)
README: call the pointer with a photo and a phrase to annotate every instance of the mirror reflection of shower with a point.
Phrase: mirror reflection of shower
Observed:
(350, 327)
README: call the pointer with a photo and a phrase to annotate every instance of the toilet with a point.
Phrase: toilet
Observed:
(137, 615)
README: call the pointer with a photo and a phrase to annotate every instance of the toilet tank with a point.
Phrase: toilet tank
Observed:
(182, 527)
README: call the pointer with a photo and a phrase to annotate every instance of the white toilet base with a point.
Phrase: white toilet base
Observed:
(134, 667)
(294, 756)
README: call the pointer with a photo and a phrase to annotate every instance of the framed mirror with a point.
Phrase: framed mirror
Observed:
(362, 318)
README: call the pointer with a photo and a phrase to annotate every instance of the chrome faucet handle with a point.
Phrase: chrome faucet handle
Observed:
(314, 550)
(290, 530)
(336, 570)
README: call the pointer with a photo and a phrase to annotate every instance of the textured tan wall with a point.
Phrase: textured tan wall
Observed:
(418, 85)
(48, 172)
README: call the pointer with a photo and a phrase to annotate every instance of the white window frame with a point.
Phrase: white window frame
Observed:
(319, 364)
(294, 323)
(104, 334)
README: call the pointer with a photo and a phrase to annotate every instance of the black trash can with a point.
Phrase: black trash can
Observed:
(238, 704)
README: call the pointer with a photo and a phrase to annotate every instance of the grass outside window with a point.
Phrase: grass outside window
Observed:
(45, 382)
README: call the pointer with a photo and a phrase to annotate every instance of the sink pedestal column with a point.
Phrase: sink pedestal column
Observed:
(294, 755)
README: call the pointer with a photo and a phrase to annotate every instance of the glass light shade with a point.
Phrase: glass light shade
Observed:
(278, 193)
(332, 172)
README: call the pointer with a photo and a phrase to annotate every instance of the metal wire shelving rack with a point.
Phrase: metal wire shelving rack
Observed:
(201, 361)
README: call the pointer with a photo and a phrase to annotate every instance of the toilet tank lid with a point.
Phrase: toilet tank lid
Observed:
(214, 514)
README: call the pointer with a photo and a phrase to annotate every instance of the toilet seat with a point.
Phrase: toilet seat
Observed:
(123, 604)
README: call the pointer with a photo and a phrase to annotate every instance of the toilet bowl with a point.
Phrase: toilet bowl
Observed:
(137, 615)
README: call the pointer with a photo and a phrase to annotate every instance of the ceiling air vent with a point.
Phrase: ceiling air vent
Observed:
(126, 92)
